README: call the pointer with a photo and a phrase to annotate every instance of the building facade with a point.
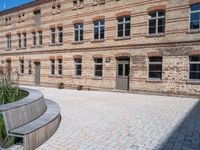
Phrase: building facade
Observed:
(130, 45)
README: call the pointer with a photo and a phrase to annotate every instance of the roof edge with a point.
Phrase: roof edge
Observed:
(23, 6)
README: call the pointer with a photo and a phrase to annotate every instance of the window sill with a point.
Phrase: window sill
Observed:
(8, 49)
(97, 40)
(52, 44)
(21, 48)
(51, 76)
(122, 38)
(153, 81)
(77, 77)
(78, 7)
(193, 82)
(193, 31)
(77, 42)
(155, 35)
(59, 44)
(97, 78)
(59, 76)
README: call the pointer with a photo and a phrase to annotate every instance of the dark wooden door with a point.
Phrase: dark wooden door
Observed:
(37, 73)
(122, 80)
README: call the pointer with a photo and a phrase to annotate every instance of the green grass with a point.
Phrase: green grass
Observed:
(9, 93)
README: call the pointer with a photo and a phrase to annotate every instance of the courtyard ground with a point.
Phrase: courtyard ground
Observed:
(93, 120)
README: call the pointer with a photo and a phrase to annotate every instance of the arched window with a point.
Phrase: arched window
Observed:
(156, 22)
(195, 16)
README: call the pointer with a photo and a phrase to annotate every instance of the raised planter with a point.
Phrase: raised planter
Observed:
(31, 118)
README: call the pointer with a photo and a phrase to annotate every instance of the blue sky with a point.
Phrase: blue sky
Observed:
(12, 3)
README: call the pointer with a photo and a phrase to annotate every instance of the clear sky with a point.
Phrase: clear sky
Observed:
(12, 3)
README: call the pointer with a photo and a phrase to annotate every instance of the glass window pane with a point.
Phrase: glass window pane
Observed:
(120, 19)
(155, 59)
(127, 70)
(161, 29)
(127, 32)
(157, 75)
(195, 17)
(195, 67)
(161, 22)
(195, 7)
(152, 30)
(194, 25)
(195, 58)
(127, 26)
(153, 14)
(120, 69)
(152, 22)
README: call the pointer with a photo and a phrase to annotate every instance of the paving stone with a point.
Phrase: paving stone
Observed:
(114, 121)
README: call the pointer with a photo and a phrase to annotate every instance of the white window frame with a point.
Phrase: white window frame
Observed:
(21, 66)
(99, 29)
(9, 41)
(19, 40)
(53, 33)
(94, 64)
(79, 32)
(24, 39)
(190, 11)
(34, 39)
(156, 18)
(75, 64)
(154, 63)
(60, 32)
(40, 38)
(52, 63)
(124, 26)
(197, 62)
(60, 64)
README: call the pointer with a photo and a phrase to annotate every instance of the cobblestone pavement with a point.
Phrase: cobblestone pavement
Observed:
(123, 121)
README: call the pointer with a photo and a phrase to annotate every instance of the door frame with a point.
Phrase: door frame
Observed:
(123, 60)
(35, 76)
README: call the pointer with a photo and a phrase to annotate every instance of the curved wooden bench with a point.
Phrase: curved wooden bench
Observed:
(33, 118)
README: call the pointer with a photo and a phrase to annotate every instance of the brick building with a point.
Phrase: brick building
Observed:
(132, 45)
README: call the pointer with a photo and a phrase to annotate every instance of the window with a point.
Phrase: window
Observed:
(195, 16)
(9, 41)
(78, 66)
(19, 18)
(37, 18)
(78, 3)
(155, 67)
(157, 22)
(98, 67)
(195, 67)
(60, 35)
(53, 36)
(78, 32)
(19, 41)
(40, 38)
(56, 9)
(99, 29)
(24, 40)
(60, 67)
(29, 67)
(21, 66)
(124, 26)
(34, 39)
(52, 73)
